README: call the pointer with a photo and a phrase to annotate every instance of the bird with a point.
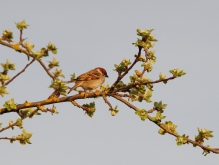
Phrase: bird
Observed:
(90, 80)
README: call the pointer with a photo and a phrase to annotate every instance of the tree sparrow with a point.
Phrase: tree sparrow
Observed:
(91, 79)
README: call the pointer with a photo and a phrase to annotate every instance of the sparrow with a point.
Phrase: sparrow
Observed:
(90, 80)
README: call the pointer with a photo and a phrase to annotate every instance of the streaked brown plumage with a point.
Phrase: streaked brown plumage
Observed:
(90, 80)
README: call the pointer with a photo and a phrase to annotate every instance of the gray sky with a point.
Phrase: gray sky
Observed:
(99, 33)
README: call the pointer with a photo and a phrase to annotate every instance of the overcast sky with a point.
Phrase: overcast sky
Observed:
(96, 33)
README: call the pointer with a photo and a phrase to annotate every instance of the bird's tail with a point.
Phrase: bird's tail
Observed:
(73, 88)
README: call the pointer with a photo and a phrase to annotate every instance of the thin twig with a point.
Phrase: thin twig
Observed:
(21, 32)
(42, 64)
(25, 52)
(142, 73)
(138, 83)
(214, 150)
(15, 123)
(120, 76)
(151, 110)
(6, 138)
(21, 41)
(106, 101)
(146, 54)
(31, 114)
(79, 106)
(146, 60)
(19, 72)
(122, 95)
(126, 102)
(5, 128)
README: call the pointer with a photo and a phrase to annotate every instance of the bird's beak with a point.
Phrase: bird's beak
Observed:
(107, 76)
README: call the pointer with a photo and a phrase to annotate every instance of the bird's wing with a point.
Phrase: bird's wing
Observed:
(93, 74)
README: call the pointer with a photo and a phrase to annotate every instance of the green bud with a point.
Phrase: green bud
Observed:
(53, 63)
(38, 54)
(138, 73)
(114, 111)
(19, 123)
(8, 66)
(11, 122)
(159, 106)
(52, 47)
(59, 85)
(7, 35)
(142, 114)
(91, 107)
(21, 25)
(147, 66)
(54, 110)
(125, 62)
(3, 91)
(58, 73)
(180, 140)
(177, 73)
(142, 58)
(29, 46)
(9, 105)
(161, 131)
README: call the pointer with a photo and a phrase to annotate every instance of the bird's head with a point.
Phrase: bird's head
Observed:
(103, 71)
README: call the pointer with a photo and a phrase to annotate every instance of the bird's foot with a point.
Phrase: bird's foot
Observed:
(83, 94)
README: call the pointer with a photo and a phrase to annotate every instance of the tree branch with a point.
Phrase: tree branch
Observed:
(146, 60)
(120, 76)
(15, 123)
(125, 88)
(106, 101)
(214, 150)
(19, 72)
(25, 52)
(79, 106)
(125, 102)
(44, 67)
(151, 110)
(5, 128)
(6, 138)
(49, 101)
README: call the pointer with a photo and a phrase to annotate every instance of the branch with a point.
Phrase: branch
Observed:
(214, 150)
(15, 123)
(5, 128)
(120, 76)
(30, 114)
(125, 88)
(44, 67)
(49, 101)
(21, 41)
(106, 101)
(146, 60)
(19, 72)
(122, 95)
(151, 110)
(21, 32)
(126, 102)
(6, 138)
(79, 106)
(25, 52)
